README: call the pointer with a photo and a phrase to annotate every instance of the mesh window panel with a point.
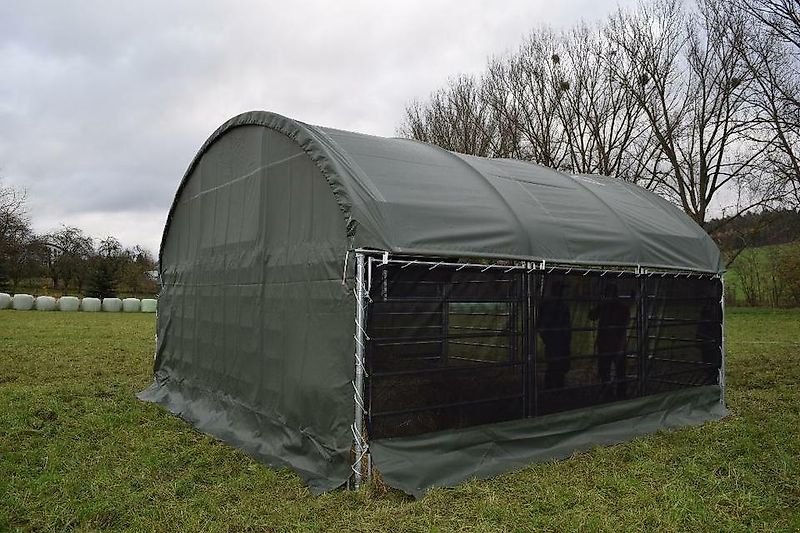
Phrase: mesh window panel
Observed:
(453, 347)
(444, 350)
(586, 341)
(684, 333)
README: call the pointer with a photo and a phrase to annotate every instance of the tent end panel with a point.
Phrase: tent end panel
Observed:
(255, 325)
(448, 458)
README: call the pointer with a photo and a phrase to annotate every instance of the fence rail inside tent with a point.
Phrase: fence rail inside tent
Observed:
(453, 345)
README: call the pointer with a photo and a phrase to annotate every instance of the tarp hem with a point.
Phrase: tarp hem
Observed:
(210, 413)
(448, 458)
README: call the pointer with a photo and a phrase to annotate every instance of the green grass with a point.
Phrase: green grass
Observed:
(762, 258)
(78, 451)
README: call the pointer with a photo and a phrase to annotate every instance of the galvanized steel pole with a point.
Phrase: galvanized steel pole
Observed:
(359, 443)
(722, 340)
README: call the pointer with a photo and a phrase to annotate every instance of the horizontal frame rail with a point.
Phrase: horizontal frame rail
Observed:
(451, 405)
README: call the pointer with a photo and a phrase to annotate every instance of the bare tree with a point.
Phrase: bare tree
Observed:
(692, 84)
(554, 102)
(771, 51)
(455, 118)
(537, 83)
(603, 124)
(15, 235)
(661, 96)
(780, 16)
(505, 110)
(68, 253)
(13, 215)
(135, 272)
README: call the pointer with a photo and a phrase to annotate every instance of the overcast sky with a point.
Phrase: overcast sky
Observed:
(104, 103)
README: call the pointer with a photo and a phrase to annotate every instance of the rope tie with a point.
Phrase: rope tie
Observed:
(364, 445)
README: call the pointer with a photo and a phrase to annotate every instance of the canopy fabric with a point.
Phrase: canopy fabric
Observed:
(405, 196)
(257, 311)
(448, 458)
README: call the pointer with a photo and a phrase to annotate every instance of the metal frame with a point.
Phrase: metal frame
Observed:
(642, 332)
(537, 295)
(383, 258)
(528, 347)
(722, 341)
(360, 442)
(531, 285)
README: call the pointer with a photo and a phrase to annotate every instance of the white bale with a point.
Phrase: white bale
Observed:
(149, 305)
(112, 305)
(5, 300)
(131, 305)
(22, 302)
(68, 303)
(90, 305)
(45, 303)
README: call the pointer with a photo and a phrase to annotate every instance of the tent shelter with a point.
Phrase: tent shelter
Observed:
(340, 303)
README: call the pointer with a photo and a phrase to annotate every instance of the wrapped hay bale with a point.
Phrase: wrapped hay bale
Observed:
(91, 305)
(45, 303)
(131, 305)
(149, 305)
(112, 305)
(68, 303)
(22, 302)
(5, 300)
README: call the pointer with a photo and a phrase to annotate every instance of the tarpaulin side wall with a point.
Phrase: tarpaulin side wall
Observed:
(255, 328)
(447, 458)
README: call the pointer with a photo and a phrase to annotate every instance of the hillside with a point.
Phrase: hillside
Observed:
(755, 229)
(765, 276)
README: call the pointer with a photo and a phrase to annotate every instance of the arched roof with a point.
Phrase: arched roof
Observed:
(405, 196)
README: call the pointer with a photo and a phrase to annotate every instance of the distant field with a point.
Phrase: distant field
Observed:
(761, 257)
(78, 451)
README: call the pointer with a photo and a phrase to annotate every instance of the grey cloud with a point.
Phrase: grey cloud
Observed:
(103, 104)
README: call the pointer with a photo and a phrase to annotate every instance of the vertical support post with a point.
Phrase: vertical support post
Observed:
(513, 312)
(158, 297)
(535, 285)
(385, 277)
(445, 321)
(523, 333)
(642, 333)
(360, 444)
(722, 340)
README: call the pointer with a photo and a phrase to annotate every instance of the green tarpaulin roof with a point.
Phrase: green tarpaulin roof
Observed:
(405, 196)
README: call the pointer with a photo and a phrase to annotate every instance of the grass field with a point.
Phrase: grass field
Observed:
(763, 259)
(78, 451)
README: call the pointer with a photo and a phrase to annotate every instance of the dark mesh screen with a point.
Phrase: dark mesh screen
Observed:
(684, 333)
(444, 349)
(450, 347)
(586, 340)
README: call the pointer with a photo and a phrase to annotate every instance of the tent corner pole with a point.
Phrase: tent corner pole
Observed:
(722, 340)
(360, 443)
